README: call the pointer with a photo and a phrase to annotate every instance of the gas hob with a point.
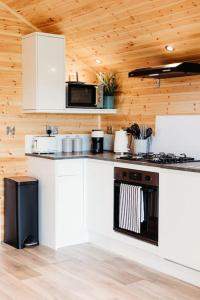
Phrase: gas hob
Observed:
(159, 158)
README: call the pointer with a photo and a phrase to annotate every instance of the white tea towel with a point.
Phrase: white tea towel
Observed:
(131, 207)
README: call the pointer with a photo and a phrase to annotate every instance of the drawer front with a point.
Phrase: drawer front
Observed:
(68, 167)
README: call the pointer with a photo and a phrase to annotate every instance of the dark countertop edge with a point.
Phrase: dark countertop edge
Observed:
(97, 157)
(59, 157)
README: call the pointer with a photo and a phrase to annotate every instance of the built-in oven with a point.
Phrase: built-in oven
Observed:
(82, 95)
(136, 204)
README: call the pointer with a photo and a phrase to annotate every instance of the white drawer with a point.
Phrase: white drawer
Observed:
(68, 167)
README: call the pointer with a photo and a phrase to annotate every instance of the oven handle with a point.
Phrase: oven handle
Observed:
(145, 188)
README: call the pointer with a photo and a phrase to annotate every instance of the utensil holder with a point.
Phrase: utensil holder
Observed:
(141, 146)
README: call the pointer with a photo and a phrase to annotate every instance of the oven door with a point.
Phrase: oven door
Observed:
(81, 95)
(149, 227)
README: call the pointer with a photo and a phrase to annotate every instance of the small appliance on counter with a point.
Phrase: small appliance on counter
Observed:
(83, 95)
(121, 142)
(97, 136)
(44, 145)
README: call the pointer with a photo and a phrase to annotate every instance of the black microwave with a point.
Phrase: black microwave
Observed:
(84, 95)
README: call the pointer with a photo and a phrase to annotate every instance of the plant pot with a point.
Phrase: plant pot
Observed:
(108, 102)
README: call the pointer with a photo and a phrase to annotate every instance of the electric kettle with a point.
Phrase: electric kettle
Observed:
(121, 142)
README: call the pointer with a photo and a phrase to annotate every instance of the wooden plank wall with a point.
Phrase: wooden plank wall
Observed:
(124, 35)
(12, 159)
(140, 100)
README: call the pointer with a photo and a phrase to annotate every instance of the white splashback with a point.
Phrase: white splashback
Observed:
(86, 141)
(177, 134)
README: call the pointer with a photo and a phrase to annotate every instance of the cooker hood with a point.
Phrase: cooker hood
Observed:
(167, 71)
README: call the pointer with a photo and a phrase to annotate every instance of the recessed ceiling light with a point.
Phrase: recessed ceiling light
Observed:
(98, 61)
(169, 48)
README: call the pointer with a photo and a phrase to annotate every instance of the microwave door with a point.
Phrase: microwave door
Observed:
(81, 96)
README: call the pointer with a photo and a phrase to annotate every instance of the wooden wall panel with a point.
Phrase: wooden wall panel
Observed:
(12, 159)
(140, 100)
(124, 34)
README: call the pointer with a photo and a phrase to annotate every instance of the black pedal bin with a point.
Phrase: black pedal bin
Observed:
(21, 211)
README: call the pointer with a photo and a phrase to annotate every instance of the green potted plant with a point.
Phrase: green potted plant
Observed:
(109, 82)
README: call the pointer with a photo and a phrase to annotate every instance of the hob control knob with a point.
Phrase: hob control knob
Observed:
(124, 174)
(147, 178)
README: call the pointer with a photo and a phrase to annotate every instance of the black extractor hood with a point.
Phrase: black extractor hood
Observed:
(167, 71)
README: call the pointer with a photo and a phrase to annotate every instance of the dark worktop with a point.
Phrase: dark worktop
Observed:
(109, 156)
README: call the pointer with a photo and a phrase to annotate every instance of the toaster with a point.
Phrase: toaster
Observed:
(44, 145)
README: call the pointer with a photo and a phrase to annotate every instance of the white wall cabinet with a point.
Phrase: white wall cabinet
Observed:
(99, 198)
(61, 201)
(179, 217)
(43, 60)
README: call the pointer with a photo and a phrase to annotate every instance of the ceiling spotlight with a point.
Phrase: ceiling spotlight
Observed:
(169, 48)
(98, 61)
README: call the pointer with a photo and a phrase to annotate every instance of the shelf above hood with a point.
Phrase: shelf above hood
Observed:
(167, 71)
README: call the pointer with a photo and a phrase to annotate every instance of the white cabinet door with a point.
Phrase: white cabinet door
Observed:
(179, 217)
(69, 210)
(43, 72)
(99, 212)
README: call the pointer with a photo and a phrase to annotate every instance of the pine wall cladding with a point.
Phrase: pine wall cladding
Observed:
(12, 158)
(125, 35)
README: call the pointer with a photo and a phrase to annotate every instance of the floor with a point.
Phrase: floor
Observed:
(83, 272)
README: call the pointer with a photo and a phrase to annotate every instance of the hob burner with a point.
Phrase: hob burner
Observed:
(159, 158)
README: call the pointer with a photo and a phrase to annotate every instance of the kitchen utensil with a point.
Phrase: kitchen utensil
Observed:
(133, 131)
(143, 131)
(121, 142)
(136, 129)
(149, 132)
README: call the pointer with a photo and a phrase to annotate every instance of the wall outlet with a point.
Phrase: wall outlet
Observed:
(10, 130)
(52, 129)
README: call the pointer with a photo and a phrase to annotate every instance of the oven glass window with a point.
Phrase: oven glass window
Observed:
(82, 95)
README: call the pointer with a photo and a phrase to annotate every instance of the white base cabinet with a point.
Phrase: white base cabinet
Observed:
(99, 197)
(76, 206)
(180, 217)
(69, 209)
(61, 201)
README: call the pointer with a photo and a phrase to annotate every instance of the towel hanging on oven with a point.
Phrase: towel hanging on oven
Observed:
(131, 207)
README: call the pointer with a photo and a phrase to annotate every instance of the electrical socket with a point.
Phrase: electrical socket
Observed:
(54, 129)
(10, 130)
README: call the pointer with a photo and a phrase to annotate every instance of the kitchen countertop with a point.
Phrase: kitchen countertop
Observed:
(109, 156)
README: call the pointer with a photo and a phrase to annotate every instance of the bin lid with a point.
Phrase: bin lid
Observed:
(21, 179)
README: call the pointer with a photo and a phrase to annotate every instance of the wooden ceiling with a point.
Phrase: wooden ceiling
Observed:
(124, 34)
